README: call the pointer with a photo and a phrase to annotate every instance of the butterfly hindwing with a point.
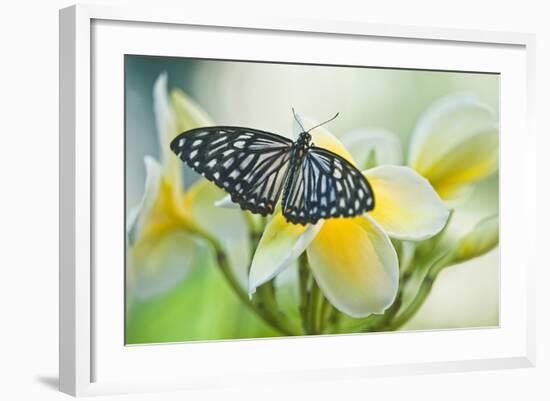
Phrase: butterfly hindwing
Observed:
(250, 164)
(325, 185)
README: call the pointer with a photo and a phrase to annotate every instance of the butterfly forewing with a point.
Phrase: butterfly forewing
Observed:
(251, 165)
(325, 185)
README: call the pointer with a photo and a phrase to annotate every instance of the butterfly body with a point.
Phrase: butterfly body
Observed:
(297, 155)
(255, 167)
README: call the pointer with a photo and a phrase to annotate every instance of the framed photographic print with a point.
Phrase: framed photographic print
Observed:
(344, 197)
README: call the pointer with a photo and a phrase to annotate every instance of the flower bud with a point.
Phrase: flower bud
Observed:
(480, 240)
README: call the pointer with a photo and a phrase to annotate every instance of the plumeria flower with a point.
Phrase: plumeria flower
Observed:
(455, 145)
(160, 229)
(353, 259)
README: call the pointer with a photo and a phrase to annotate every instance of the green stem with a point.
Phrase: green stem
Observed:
(259, 308)
(332, 324)
(425, 288)
(313, 304)
(304, 276)
(326, 309)
(267, 299)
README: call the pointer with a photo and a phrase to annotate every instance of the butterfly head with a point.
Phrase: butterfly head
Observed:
(304, 139)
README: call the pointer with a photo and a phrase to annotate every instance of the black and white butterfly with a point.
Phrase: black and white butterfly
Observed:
(255, 167)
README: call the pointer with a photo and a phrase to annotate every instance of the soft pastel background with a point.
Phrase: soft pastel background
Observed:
(202, 306)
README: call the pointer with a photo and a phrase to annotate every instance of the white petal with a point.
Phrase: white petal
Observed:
(138, 215)
(280, 245)
(447, 122)
(159, 263)
(363, 142)
(406, 205)
(165, 119)
(227, 203)
(229, 226)
(355, 265)
(469, 162)
(455, 143)
(480, 240)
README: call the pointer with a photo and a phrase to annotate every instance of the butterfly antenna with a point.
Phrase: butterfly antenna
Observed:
(298, 120)
(326, 122)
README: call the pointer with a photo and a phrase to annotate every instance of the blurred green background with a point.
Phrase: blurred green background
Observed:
(260, 95)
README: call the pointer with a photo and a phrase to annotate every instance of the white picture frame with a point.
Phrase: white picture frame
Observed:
(93, 360)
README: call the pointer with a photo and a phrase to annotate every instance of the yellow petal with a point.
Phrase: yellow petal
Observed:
(407, 207)
(355, 265)
(455, 144)
(158, 210)
(477, 158)
(160, 246)
(189, 114)
(280, 245)
(229, 226)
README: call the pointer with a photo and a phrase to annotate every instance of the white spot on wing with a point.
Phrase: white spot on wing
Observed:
(246, 161)
(323, 184)
(218, 140)
(228, 163)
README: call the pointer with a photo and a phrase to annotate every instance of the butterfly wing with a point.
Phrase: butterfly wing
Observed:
(325, 185)
(249, 164)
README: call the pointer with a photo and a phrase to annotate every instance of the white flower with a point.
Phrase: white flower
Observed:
(352, 259)
(455, 145)
(161, 244)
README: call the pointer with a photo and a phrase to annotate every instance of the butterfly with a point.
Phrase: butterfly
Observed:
(256, 166)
